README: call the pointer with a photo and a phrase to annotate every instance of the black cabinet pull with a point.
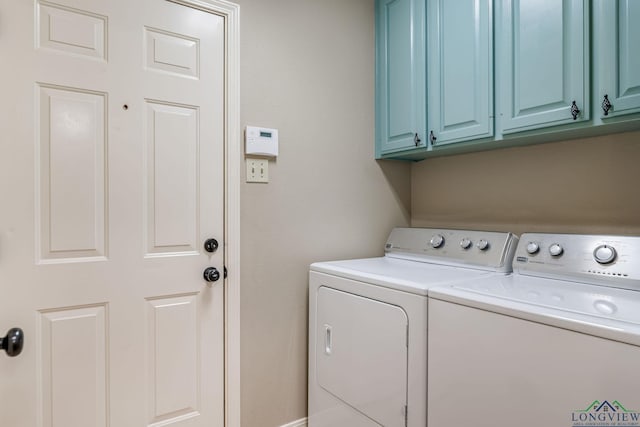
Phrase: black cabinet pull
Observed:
(432, 138)
(574, 110)
(606, 105)
(416, 140)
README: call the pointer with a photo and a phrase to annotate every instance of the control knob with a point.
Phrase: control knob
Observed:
(604, 254)
(483, 245)
(465, 243)
(556, 249)
(437, 240)
(533, 248)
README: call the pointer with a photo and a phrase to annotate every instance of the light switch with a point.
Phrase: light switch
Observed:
(258, 170)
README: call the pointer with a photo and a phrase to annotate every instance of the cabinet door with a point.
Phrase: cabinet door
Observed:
(460, 70)
(400, 75)
(617, 57)
(542, 68)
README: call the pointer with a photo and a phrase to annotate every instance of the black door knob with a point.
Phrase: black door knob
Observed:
(211, 274)
(12, 342)
(211, 245)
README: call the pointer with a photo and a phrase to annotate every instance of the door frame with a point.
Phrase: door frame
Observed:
(232, 176)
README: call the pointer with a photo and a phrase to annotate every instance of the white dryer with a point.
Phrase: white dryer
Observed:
(557, 343)
(368, 323)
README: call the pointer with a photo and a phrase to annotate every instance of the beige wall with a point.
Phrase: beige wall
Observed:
(308, 70)
(584, 186)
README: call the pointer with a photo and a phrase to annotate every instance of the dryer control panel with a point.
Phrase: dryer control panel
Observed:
(601, 260)
(487, 250)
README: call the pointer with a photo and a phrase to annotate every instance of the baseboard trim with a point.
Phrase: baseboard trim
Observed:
(302, 422)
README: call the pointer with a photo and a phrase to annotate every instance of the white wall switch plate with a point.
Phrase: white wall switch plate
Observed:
(257, 170)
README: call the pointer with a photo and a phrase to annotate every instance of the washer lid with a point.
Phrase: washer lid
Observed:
(596, 310)
(408, 276)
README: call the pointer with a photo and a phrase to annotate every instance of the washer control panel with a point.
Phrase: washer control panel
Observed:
(480, 249)
(607, 260)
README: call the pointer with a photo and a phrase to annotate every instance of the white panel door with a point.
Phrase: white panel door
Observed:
(111, 181)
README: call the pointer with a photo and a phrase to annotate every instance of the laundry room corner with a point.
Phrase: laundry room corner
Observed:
(307, 70)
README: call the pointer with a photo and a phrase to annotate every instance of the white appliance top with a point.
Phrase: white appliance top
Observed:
(419, 258)
(590, 285)
(408, 276)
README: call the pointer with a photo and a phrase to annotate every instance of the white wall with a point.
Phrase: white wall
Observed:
(308, 70)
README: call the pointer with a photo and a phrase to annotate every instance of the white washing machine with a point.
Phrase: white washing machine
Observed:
(368, 323)
(557, 343)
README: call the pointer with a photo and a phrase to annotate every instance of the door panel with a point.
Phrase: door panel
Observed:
(629, 34)
(172, 169)
(173, 53)
(400, 76)
(73, 382)
(365, 341)
(616, 38)
(542, 63)
(174, 369)
(71, 30)
(72, 186)
(112, 181)
(460, 61)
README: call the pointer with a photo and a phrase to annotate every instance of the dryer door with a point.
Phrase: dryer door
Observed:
(361, 354)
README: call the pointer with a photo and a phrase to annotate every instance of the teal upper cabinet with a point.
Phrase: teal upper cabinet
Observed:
(460, 70)
(617, 57)
(542, 63)
(400, 75)
(454, 76)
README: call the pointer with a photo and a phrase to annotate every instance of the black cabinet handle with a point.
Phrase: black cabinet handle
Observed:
(432, 138)
(606, 105)
(574, 110)
(416, 140)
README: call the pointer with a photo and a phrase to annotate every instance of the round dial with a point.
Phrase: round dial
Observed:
(533, 248)
(465, 243)
(556, 249)
(437, 240)
(483, 245)
(604, 254)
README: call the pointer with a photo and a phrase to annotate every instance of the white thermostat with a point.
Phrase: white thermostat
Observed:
(261, 141)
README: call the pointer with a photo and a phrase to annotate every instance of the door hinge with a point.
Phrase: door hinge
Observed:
(224, 274)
